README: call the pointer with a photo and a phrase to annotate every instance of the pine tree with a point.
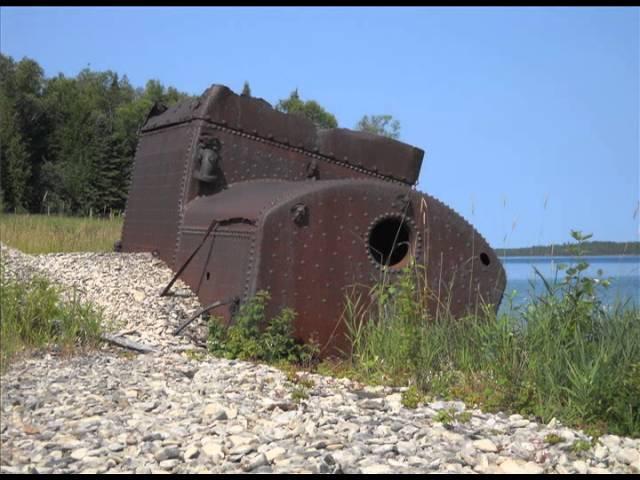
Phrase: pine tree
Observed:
(15, 173)
(246, 90)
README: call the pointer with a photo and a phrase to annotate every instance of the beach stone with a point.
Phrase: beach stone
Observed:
(601, 452)
(249, 464)
(517, 468)
(485, 445)
(598, 471)
(191, 452)
(167, 453)
(377, 469)
(213, 449)
(275, 453)
(214, 411)
(628, 456)
(169, 464)
(581, 467)
(79, 454)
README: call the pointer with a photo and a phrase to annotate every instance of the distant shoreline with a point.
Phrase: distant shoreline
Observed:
(569, 250)
(587, 255)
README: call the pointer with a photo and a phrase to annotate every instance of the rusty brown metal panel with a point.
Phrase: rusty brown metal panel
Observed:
(375, 153)
(155, 201)
(256, 117)
(212, 275)
(463, 271)
(246, 157)
(161, 116)
(241, 200)
(308, 266)
(342, 153)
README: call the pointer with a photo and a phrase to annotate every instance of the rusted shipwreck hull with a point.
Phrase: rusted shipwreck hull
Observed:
(276, 204)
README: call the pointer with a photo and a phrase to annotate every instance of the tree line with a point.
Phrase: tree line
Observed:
(67, 143)
(589, 248)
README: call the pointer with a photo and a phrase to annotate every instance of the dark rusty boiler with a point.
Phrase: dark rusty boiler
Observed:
(237, 197)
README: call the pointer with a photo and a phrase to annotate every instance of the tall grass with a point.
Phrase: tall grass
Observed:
(565, 355)
(46, 234)
(33, 315)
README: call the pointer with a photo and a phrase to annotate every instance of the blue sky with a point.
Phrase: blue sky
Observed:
(529, 117)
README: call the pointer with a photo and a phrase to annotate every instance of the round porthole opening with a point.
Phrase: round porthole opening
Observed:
(484, 258)
(389, 241)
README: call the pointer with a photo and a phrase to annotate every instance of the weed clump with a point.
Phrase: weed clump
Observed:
(35, 316)
(553, 439)
(299, 394)
(412, 397)
(446, 417)
(250, 339)
(450, 416)
(580, 446)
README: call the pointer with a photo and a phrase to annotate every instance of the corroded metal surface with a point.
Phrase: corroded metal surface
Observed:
(303, 213)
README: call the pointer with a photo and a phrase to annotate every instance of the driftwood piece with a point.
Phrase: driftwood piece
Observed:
(200, 312)
(129, 344)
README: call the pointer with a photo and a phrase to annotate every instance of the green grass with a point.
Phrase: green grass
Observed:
(33, 317)
(47, 234)
(450, 416)
(565, 355)
(299, 393)
(581, 446)
(553, 439)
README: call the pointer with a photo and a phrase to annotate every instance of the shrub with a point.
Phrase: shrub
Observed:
(411, 397)
(251, 337)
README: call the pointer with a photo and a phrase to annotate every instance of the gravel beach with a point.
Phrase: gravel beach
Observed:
(169, 411)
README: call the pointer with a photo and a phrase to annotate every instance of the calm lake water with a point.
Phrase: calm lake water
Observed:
(622, 271)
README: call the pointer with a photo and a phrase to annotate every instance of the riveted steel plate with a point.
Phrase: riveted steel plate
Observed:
(261, 200)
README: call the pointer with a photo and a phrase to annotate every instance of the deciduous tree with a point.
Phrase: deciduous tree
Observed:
(384, 125)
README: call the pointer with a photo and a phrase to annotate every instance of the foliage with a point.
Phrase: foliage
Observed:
(34, 316)
(246, 90)
(464, 417)
(553, 439)
(299, 393)
(384, 125)
(251, 337)
(446, 417)
(47, 234)
(411, 397)
(68, 143)
(309, 109)
(580, 446)
(565, 355)
(590, 248)
(196, 355)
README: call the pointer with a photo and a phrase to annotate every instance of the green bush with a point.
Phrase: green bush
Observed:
(251, 337)
(411, 397)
